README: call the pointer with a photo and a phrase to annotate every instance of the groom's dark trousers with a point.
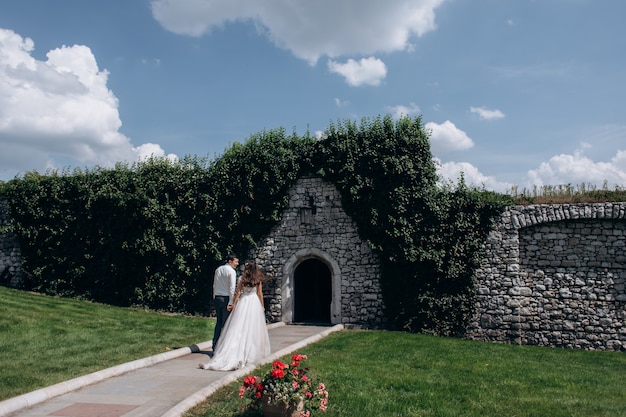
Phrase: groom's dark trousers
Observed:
(221, 313)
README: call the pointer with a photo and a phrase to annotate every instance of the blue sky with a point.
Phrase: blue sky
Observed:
(515, 92)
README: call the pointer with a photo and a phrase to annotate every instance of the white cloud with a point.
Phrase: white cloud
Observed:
(59, 111)
(367, 71)
(450, 172)
(563, 169)
(402, 110)
(578, 169)
(341, 103)
(558, 71)
(619, 162)
(154, 62)
(149, 150)
(487, 114)
(309, 29)
(447, 137)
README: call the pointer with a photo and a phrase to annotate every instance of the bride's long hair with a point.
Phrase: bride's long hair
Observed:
(251, 276)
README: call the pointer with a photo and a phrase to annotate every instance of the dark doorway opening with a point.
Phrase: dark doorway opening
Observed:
(312, 292)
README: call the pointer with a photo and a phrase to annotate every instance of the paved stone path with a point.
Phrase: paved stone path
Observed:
(164, 385)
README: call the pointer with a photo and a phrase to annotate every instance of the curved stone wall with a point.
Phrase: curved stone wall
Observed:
(554, 275)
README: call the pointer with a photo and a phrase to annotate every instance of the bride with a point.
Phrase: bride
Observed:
(244, 339)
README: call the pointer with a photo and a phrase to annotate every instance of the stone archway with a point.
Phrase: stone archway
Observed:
(311, 290)
(315, 226)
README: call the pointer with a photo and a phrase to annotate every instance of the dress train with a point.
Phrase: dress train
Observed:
(245, 338)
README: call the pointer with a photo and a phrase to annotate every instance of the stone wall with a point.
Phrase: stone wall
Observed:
(10, 256)
(314, 226)
(554, 275)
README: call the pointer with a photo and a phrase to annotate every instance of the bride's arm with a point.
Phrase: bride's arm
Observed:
(237, 294)
(259, 292)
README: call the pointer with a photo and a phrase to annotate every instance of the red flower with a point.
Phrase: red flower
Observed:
(278, 373)
(286, 381)
(249, 381)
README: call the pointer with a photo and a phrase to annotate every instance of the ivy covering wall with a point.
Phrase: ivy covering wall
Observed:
(150, 234)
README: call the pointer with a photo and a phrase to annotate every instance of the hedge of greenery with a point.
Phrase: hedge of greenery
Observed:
(150, 234)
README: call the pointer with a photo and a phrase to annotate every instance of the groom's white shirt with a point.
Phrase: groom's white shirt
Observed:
(224, 282)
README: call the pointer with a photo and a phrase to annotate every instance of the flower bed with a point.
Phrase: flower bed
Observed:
(288, 386)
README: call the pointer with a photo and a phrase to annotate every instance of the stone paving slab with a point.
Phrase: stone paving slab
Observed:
(165, 386)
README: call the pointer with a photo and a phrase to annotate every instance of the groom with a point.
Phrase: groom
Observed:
(224, 282)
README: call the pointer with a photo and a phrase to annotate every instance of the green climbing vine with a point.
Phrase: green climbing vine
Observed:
(150, 234)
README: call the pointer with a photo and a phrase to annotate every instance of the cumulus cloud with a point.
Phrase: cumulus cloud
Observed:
(578, 169)
(563, 169)
(309, 29)
(487, 114)
(58, 111)
(446, 137)
(367, 71)
(341, 103)
(451, 172)
(402, 110)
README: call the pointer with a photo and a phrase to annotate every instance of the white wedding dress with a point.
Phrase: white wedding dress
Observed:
(244, 339)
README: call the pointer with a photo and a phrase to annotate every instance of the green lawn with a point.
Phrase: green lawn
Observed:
(377, 373)
(45, 340)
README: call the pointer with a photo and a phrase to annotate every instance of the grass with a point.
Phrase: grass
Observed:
(377, 373)
(45, 340)
(567, 194)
